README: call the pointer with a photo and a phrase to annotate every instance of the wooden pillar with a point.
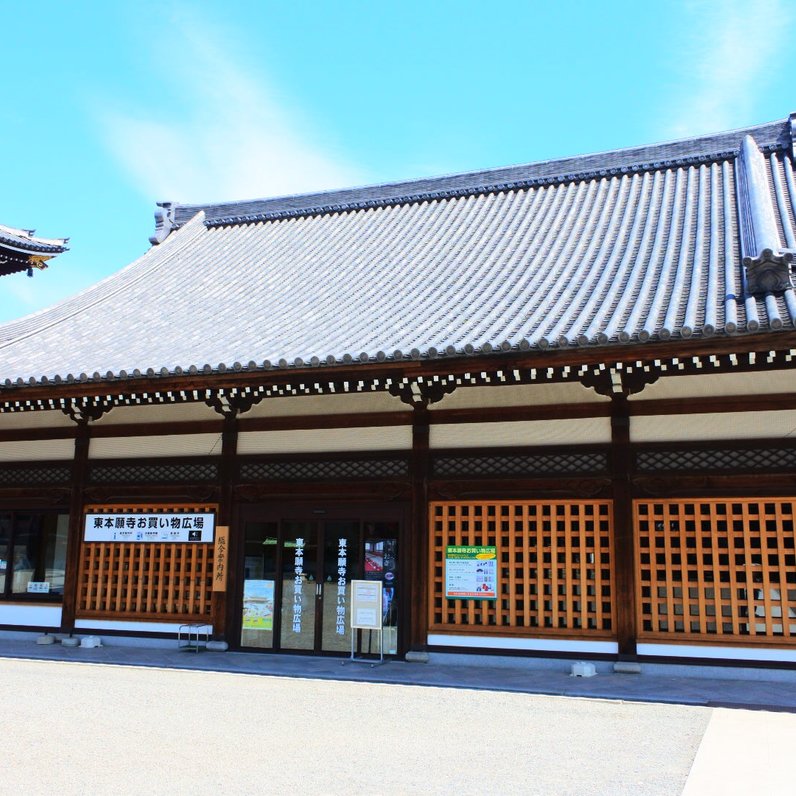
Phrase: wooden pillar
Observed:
(624, 540)
(418, 532)
(222, 604)
(75, 537)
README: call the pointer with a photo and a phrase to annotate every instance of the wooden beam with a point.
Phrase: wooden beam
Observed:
(417, 584)
(504, 414)
(223, 605)
(75, 533)
(713, 404)
(624, 542)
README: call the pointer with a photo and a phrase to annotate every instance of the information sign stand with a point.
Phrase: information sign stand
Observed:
(366, 614)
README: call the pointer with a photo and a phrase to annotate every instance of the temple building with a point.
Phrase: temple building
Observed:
(548, 409)
(20, 250)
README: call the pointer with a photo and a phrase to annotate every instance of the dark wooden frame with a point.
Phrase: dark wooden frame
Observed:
(7, 596)
(361, 511)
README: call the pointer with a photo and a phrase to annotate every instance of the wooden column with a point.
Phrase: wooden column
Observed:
(223, 602)
(624, 542)
(418, 531)
(75, 537)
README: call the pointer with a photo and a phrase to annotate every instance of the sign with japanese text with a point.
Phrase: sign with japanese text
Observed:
(342, 570)
(220, 558)
(298, 584)
(366, 604)
(470, 573)
(149, 527)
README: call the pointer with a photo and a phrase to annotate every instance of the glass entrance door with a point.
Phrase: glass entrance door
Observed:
(296, 583)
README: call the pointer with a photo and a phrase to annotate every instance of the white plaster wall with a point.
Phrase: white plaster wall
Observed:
(40, 450)
(30, 615)
(51, 418)
(718, 652)
(519, 395)
(168, 413)
(131, 627)
(302, 405)
(702, 386)
(722, 425)
(326, 440)
(516, 643)
(155, 446)
(533, 432)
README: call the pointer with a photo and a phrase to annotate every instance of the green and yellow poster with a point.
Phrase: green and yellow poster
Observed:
(470, 573)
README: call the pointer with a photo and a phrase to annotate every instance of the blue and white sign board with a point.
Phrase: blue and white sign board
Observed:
(149, 527)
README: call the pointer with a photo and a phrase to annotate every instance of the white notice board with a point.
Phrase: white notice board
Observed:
(366, 604)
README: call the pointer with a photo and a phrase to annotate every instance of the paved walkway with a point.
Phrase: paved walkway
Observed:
(685, 685)
(126, 720)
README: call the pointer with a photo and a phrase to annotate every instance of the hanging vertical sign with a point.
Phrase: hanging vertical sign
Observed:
(342, 569)
(470, 573)
(220, 558)
(298, 581)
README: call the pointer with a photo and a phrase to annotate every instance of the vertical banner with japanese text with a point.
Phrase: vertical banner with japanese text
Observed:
(221, 558)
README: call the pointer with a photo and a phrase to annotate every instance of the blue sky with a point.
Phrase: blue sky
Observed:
(109, 107)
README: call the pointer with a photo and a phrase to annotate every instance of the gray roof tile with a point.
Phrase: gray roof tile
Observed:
(622, 248)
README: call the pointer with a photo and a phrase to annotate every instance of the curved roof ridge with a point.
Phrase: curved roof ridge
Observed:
(769, 136)
(27, 240)
(38, 322)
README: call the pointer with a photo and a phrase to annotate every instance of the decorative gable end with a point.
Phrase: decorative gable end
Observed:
(765, 261)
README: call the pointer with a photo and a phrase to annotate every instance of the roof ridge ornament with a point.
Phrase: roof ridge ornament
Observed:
(766, 261)
(164, 222)
(792, 128)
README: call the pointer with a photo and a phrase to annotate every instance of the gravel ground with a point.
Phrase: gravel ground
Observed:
(100, 729)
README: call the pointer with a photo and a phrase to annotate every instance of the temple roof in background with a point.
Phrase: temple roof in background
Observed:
(21, 250)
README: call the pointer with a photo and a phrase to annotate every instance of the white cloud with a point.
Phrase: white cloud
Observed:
(733, 47)
(226, 135)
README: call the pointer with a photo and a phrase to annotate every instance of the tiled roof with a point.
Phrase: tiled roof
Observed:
(25, 240)
(21, 250)
(622, 248)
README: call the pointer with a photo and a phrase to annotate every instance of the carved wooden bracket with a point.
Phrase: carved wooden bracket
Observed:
(419, 394)
(610, 382)
(84, 412)
(232, 406)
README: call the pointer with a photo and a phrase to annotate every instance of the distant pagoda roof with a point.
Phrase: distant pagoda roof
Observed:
(21, 250)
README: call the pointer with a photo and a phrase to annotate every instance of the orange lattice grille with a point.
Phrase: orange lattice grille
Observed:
(711, 568)
(145, 580)
(555, 568)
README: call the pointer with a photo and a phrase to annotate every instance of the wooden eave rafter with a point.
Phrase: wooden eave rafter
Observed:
(616, 370)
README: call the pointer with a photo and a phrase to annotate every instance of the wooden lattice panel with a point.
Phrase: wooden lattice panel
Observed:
(716, 568)
(555, 571)
(144, 580)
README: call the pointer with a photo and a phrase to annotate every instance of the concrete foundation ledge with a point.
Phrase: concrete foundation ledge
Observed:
(627, 667)
(415, 656)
